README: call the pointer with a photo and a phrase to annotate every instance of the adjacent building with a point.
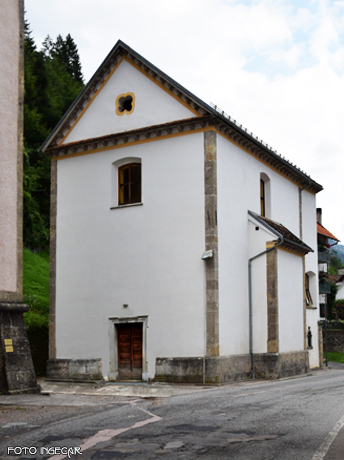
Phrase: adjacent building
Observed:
(325, 241)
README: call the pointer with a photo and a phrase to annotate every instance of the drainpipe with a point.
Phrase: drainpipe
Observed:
(250, 285)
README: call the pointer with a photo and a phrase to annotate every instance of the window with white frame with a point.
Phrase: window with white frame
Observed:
(126, 182)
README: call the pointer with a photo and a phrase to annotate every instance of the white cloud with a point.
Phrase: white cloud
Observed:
(274, 65)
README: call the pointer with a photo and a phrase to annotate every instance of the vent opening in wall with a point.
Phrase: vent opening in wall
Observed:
(125, 104)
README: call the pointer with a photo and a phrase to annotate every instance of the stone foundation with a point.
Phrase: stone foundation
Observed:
(17, 374)
(74, 369)
(279, 365)
(214, 369)
(222, 369)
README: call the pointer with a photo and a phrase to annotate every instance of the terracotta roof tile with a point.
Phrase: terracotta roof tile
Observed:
(336, 278)
(322, 231)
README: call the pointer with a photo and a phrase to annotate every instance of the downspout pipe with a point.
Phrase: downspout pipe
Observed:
(306, 186)
(281, 240)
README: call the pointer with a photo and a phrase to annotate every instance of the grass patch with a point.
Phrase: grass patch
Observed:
(36, 288)
(335, 357)
(36, 295)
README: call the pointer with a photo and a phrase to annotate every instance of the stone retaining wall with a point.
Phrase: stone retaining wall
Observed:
(221, 369)
(74, 369)
(279, 365)
(335, 341)
(17, 374)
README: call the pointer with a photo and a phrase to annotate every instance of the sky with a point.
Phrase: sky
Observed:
(275, 66)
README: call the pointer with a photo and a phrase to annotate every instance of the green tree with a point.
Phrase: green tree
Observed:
(66, 52)
(53, 79)
(35, 229)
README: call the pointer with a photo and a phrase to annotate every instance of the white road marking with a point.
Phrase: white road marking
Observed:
(323, 449)
(269, 390)
(106, 435)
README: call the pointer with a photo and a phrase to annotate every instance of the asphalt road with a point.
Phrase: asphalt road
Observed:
(284, 420)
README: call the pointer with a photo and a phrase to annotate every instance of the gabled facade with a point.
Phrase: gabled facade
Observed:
(160, 203)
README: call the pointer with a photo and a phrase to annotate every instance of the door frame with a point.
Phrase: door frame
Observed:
(113, 339)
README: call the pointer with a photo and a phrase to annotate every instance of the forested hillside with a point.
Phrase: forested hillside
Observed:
(53, 79)
(338, 251)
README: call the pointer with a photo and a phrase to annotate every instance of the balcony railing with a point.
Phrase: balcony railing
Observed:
(324, 287)
(323, 255)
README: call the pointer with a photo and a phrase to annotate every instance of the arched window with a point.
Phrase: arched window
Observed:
(129, 183)
(262, 197)
(265, 206)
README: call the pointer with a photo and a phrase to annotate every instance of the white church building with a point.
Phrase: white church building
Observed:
(180, 243)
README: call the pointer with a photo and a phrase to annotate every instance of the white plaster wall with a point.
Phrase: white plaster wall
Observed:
(309, 230)
(239, 191)
(153, 106)
(146, 256)
(257, 240)
(9, 91)
(290, 302)
(309, 236)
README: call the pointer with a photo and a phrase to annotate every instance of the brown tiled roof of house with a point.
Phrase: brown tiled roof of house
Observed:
(323, 231)
(333, 278)
(336, 278)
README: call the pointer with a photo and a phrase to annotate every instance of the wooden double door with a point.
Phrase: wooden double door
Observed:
(129, 345)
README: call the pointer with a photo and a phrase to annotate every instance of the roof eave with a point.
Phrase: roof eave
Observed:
(287, 243)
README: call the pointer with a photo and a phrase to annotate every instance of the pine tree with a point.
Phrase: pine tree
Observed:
(74, 65)
(53, 79)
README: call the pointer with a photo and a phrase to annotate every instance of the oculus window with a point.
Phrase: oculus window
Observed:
(125, 104)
